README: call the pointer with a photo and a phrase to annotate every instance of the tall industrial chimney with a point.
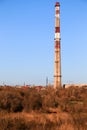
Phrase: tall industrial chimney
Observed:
(57, 64)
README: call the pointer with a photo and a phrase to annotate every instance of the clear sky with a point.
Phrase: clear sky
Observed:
(27, 41)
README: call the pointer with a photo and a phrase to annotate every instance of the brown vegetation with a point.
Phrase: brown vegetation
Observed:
(46, 109)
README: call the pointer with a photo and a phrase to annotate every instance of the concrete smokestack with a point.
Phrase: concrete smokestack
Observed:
(57, 64)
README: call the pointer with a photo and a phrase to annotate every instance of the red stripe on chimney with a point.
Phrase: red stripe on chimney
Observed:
(57, 29)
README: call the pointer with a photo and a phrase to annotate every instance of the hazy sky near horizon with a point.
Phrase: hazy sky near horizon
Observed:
(27, 41)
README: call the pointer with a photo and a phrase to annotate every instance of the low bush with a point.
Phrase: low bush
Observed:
(10, 101)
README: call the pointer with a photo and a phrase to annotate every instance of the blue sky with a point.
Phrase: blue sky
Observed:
(27, 41)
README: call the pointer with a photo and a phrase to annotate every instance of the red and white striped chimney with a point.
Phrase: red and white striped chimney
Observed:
(57, 64)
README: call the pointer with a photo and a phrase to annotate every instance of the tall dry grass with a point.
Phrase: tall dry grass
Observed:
(35, 121)
(48, 109)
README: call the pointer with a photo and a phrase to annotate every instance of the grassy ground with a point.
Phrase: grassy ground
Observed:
(36, 121)
(42, 121)
(48, 109)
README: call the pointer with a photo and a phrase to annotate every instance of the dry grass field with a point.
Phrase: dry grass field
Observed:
(43, 109)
